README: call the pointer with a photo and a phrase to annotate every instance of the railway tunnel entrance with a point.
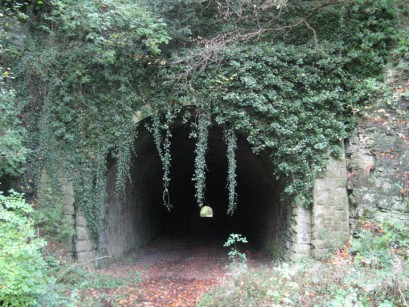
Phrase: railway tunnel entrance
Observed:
(142, 216)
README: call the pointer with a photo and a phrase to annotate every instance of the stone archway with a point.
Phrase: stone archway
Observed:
(283, 230)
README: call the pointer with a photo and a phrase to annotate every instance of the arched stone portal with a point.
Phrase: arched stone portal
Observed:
(282, 229)
(142, 216)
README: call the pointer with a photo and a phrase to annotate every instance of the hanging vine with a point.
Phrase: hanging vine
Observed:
(162, 138)
(199, 177)
(231, 142)
(124, 152)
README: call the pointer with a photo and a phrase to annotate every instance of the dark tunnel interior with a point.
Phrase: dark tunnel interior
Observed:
(145, 217)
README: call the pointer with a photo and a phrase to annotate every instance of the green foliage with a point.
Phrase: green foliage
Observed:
(107, 24)
(257, 81)
(377, 275)
(381, 244)
(202, 134)
(23, 271)
(402, 49)
(231, 142)
(292, 100)
(92, 60)
(12, 150)
(369, 29)
(162, 144)
(86, 69)
(237, 259)
(49, 217)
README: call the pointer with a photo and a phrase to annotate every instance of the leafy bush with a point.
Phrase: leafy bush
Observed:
(23, 270)
(238, 260)
(235, 255)
(381, 245)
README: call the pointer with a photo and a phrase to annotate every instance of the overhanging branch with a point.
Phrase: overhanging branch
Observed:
(211, 49)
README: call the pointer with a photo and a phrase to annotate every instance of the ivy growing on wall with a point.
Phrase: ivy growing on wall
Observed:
(288, 75)
(12, 150)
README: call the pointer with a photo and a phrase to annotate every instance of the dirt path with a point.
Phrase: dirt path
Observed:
(174, 272)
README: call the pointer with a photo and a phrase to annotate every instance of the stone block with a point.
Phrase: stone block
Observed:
(323, 244)
(301, 249)
(85, 259)
(342, 180)
(303, 215)
(81, 221)
(331, 208)
(83, 246)
(68, 209)
(340, 216)
(68, 200)
(82, 233)
(302, 237)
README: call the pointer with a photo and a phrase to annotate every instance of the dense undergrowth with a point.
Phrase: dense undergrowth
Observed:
(34, 274)
(371, 270)
(24, 273)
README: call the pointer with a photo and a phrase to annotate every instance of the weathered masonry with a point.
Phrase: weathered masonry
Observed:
(285, 230)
